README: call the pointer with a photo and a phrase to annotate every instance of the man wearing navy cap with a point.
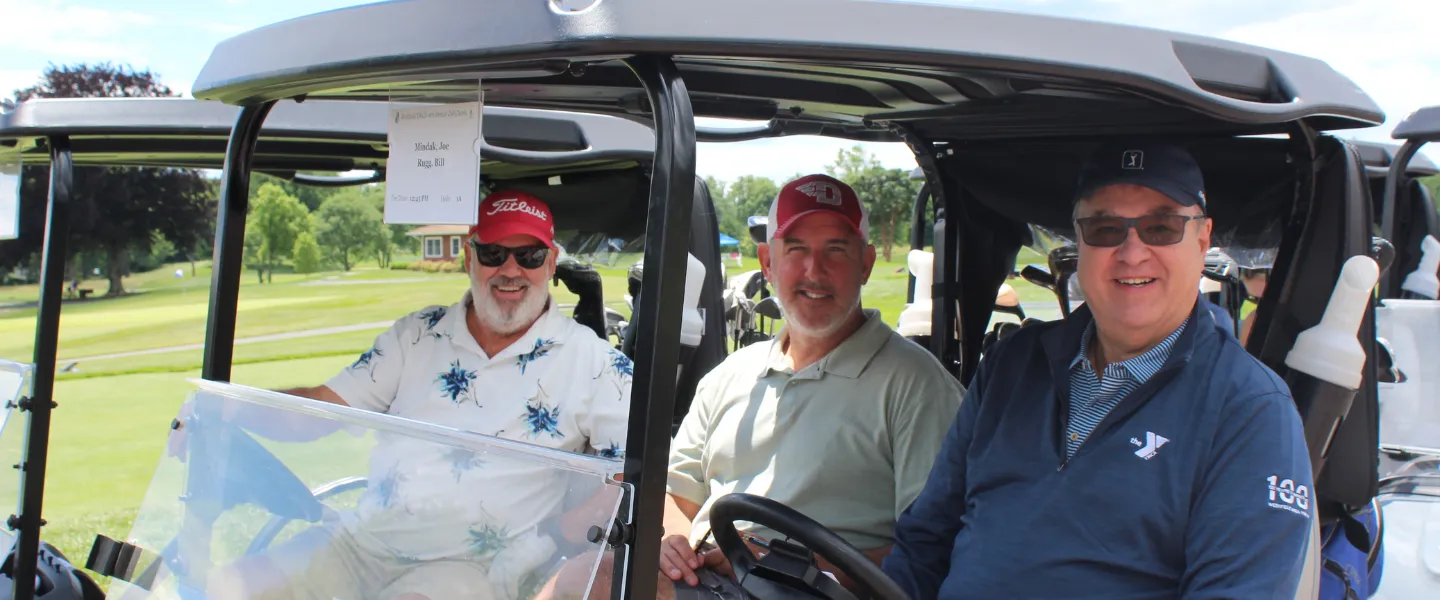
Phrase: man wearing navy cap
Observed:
(1132, 450)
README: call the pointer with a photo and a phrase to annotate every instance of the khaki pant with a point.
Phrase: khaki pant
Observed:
(326, 563)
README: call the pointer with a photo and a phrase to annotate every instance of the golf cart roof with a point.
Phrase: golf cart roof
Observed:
(1378, 156)
(950, 73)
(313, 136)
(1423, 125)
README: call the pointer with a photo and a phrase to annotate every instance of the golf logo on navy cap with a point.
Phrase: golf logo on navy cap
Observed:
(1133, 159)
(1164, 167)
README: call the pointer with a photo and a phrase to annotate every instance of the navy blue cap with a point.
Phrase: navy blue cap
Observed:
(1165, 168)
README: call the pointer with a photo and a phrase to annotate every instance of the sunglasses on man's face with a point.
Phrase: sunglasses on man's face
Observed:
(494, 255)
(1154, 230)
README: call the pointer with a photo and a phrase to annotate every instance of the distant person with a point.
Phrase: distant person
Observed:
(503, 361)
(1255, 280)
(1130, 450)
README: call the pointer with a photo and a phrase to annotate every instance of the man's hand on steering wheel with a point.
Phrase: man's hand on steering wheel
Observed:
(679, 561)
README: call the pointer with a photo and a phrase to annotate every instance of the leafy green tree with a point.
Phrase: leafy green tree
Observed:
(312, 197)
(114, 211)
(306, 253)
(277, 219)
(888, 194)
(1433, 182)
(348, 227)
(256, 252)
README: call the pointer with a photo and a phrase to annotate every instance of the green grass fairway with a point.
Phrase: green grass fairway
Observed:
(114, 415)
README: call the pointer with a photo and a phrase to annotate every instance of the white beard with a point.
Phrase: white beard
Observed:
(823, 330)
(507, 318)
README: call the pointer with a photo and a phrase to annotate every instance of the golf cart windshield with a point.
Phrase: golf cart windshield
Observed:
(228, 504)
(15, 382)
(1410, 501)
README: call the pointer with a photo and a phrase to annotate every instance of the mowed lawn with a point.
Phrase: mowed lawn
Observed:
(109, 431)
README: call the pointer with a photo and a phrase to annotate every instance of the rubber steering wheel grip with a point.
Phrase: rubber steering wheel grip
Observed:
(800, 528)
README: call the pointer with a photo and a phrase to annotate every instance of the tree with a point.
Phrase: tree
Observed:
(888, 194)
(311, 196)
(113, 210)
(349, 226)
(1433, 182)
(256, 252)
(306, 253)
(400, 240)
(752, 195)
(277, 219)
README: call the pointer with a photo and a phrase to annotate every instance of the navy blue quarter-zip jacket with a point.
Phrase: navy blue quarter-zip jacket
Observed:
(1197, 485)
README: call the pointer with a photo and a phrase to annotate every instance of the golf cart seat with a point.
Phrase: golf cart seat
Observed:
(704, 246)
(583, 281)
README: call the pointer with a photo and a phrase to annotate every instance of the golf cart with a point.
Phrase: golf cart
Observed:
(1408, 319)
(558, 155)
(971, 104)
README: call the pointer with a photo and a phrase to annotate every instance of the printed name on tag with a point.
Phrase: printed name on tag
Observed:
(433, 172)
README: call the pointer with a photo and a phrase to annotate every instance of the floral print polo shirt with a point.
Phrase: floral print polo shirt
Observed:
(558, 386)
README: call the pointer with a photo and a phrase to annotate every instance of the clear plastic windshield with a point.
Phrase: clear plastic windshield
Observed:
(263, 495)
(1409, 501)
(1409, 332)
(15, 383)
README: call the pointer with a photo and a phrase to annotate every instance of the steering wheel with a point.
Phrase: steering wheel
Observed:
(790, 567)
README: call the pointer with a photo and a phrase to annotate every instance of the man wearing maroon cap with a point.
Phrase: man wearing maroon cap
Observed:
(502, 362)
(839, 417)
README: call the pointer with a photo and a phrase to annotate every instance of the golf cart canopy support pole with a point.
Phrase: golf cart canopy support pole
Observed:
(1392, 188)
(647, 447)
(47, 341)
(1393, 182)
(230, 242)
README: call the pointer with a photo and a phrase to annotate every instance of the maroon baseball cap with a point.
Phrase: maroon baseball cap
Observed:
(509, 212)
(815, 194)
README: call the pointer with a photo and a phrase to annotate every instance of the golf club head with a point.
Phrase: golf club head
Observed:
(757, 225)
(769, 308)
(1064, 261)
(1038, 276)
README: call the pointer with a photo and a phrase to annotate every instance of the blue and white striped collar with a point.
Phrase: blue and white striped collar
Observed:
(1142, 367)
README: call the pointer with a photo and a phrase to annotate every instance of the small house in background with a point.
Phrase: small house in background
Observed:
(441, 242)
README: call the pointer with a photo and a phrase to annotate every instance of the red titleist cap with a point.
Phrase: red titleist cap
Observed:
(508, 212)
(816, 193)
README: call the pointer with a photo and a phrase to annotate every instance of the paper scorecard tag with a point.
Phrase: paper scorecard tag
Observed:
(433, 172)
(9, 198)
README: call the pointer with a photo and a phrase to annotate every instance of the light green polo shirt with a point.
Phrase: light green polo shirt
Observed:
(847, 441)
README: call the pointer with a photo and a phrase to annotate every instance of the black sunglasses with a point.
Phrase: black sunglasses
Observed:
(494, 255)
(1154, 230)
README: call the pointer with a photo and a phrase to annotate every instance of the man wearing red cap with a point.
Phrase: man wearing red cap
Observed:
(839, 417)
(503, 361)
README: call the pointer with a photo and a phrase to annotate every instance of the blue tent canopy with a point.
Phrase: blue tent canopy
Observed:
(726, 240)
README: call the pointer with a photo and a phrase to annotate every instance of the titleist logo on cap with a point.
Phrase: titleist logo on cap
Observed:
(513, 205)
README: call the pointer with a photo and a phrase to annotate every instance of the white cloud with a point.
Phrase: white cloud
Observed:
(1385, 46)
(780, 158)
(16, 79)
(54, 28)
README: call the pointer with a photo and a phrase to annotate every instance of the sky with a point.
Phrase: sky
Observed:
(1386, 46)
